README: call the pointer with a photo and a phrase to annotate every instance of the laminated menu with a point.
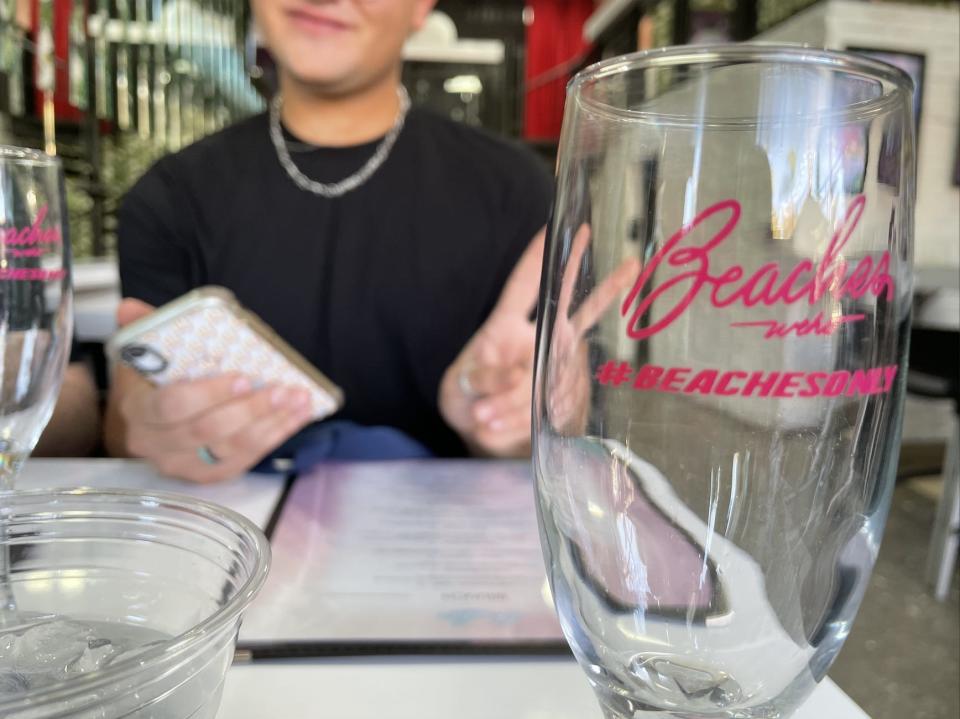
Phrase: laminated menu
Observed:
(406, 557)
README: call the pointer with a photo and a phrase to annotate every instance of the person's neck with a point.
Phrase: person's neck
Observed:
(339, 120)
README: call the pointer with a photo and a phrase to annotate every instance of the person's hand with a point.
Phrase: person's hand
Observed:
(567, 385)
(485, 395)
(202, 430)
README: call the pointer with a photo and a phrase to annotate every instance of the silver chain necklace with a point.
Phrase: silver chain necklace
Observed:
(335, 189)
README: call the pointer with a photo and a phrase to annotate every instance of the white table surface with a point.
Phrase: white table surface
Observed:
(253, 496)
(442, 688)
(375, 688)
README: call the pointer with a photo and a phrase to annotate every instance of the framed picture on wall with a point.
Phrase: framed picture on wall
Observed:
(888, 168)
(844, 149)
(911, 63)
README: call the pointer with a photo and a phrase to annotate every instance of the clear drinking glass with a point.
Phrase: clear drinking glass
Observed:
(720, 369)
(36, 315)
(35, 300)
(135, 602)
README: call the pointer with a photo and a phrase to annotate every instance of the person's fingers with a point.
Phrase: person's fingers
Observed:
(494, 359)
(259, 438)
(519, 294)
(569, 404)
(567, 386)
(572, 270)
(492, 410)
(604, 294)
(183, 401)
(484, 380)
(511, 424)
(510, 438)
(131, 310)
(505, 343)
(516, 420)
(250, 412)
(236, 454)
(222, 421)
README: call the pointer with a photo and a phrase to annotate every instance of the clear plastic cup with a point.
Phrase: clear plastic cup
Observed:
(162, 563)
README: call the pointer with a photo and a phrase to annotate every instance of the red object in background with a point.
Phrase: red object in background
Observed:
(554, 40)
(61, 43)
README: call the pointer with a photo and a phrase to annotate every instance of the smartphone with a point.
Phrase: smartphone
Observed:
(207, 332)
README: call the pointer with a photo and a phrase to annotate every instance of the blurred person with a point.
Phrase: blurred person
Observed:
(392, 278)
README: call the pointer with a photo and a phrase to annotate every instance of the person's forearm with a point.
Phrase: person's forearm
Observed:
(114, 432)
(74, 428)
(114, 424)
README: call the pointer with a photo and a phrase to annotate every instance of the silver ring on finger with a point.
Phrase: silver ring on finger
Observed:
(463, 381)
(207, 456)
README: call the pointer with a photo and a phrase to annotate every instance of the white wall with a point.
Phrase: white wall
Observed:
(935, 33)
(809, 26)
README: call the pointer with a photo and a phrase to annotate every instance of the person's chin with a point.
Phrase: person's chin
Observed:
(325, 84)
(322, 75)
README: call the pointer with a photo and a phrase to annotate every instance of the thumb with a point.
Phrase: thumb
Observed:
(131, 310)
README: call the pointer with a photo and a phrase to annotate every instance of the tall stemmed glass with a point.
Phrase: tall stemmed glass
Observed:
(35, 311)
(715, 450)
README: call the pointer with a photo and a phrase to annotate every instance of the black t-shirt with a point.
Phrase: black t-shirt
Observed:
(380, 288)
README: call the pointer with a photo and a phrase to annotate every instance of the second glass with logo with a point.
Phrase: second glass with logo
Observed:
(720, 369)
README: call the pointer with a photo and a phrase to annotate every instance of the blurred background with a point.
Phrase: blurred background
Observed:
(112, 85)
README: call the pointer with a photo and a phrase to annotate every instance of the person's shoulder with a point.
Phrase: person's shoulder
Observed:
(196, 175)
(206, 163)
(219, 150)
(509, 160)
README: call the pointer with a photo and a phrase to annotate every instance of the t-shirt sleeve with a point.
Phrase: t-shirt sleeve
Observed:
(156, 249)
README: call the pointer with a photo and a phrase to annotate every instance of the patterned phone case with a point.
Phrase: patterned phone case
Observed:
(206, 333)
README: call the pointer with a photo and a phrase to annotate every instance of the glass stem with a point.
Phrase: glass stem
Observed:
(10, 465)
(8, 604)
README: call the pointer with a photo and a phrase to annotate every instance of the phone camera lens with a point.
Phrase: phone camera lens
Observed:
(143, 359)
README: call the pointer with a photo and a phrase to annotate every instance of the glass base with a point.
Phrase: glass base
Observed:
(617, 707)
